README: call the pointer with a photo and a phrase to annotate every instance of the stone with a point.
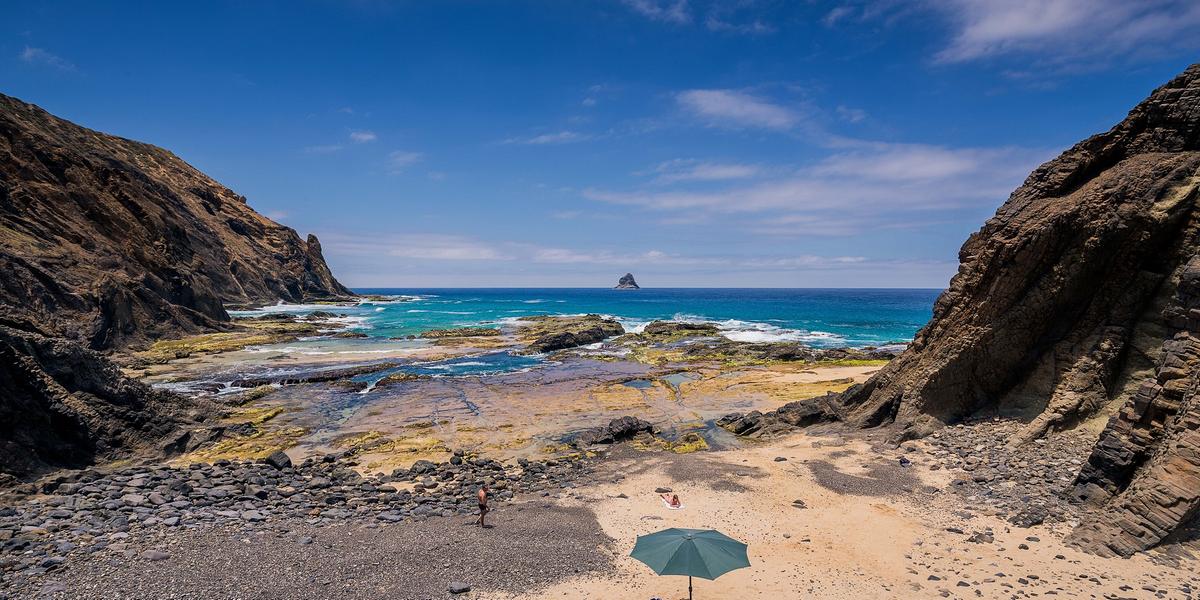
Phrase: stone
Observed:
(458, 587)
(155, 555)
(279, 459)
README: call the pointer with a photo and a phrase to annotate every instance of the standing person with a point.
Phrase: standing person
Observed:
(483, 509)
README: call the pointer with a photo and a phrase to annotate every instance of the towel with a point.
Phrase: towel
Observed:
(668, 504)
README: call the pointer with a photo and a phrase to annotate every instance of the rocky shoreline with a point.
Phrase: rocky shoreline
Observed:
(46, 526)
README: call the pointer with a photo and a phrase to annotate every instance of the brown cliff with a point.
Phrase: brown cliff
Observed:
(107, 243)
(1079, 299)
(1081, 295)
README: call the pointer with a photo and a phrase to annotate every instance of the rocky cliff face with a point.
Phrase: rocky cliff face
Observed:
(1079, 300)
(627, 282)
(62, 405)
(1081, 297)
(110, 242)
(105, 243)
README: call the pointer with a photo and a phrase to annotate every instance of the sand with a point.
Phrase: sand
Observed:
(871, 529)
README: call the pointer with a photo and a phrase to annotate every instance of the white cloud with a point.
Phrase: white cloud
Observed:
(38, 56)
(863, 186)
(668, 11)
(836, 14)
(853, 115)
(1068, 30)
(733, 108)
(559, 137)
(399, 160)
(415, 246)
(677, 170)
(755, 27)
(362, 137)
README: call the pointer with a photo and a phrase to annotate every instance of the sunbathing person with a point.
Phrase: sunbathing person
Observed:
(672, 500)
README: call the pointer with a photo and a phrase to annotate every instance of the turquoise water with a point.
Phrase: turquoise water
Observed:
(818, 317)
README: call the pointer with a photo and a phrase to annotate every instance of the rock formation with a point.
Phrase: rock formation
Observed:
(106, 243)
(109, 241)
(1080, 298)
(627, 283)
(62, 405)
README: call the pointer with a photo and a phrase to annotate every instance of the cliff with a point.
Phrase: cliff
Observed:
(107, 243)
(112, 242)
(1080, 297)
(1078, 301)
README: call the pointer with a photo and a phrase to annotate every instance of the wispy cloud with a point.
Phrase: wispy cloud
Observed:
(456, 248)
(1077, 28)
(324, 149)
(415, 246)
(362, 137)
(39, 56)
(755, 27)
(853, 115)
(667, 11)
(399, 160)
(558, 137)
(1054, 35)
(677, 170)
(862, 186)
(733, 108)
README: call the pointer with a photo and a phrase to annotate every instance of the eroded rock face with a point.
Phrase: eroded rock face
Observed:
(1081, 293)
(109, 242)
(1055, 310)
(63, 405)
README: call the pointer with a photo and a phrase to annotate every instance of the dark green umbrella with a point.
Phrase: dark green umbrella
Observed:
(693, 552)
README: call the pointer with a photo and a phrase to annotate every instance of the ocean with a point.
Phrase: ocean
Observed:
(821, 318)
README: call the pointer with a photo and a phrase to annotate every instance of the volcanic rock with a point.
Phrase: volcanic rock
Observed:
(617, 430)
(569, 332)
(627, 283)
(108, 243)
(1080, 296)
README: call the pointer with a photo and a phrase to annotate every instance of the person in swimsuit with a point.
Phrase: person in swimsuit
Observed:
(483, 509)
(672, 500)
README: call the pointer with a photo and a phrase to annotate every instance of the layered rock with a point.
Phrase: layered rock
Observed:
(626, 282)
(1144, 472)
(1079, 297)
(109, 241)
(1055, 310)
(1081, 293)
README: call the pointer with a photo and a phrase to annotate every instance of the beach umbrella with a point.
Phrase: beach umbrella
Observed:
(703, 553)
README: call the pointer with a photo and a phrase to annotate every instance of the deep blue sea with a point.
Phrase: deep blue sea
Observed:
(818, 317)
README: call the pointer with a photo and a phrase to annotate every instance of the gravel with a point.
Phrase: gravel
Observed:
(530, 544)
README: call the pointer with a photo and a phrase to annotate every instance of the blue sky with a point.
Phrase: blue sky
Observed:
(550, 143)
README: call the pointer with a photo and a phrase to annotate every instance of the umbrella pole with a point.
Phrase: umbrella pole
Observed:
(689, 587)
